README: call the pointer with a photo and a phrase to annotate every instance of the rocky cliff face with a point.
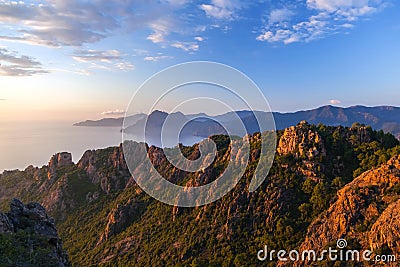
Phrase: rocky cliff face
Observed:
(386, 230)
(58, 160)
(302, 142)
(366, 211)
(305, 144)
(32, 220)
(5, 224)
(120, 217)
(106, 168)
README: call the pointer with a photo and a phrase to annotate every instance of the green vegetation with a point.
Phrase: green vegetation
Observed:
(24, 249)
(228, 232)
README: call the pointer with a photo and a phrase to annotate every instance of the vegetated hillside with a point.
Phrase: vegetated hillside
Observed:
(105, 219)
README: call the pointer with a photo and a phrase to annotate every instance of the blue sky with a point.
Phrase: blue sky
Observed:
(75, 60)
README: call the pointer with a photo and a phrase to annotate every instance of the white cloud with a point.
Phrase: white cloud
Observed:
(200, 28)
(161, 28)
(353, 14)
(94, 55)
(97, 66)
(327, 17)
(349, 10)
(335, 102)
(279, 15)
(14, 65)
(217, 12)
(265, 36)
(103, 60)
(347, 25)
(186, 46)
(141, 52)
(334, 5)
(291, 39)
(57, 23)
(274, 37)
(124, 66)
(113, 112)
(178, 2)
(78, 23)
(199, 38)
(222, 9)
(156, 58)
(156, 37)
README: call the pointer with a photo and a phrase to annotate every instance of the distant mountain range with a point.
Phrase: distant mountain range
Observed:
(385, 118)
(111, 122)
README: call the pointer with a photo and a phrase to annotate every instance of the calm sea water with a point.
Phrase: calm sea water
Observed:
(26, 143)
(23, 144)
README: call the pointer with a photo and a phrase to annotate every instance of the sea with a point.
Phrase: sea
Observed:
(33, 143)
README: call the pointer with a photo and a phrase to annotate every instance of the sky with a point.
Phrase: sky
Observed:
(79, 59)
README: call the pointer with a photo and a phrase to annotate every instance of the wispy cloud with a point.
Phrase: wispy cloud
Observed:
(141, 52)
(94, 55)
(103, 60)
(161, 29)
(157, 37)
(57, 23)
(178, 2)
(14, 65)
(113, 112)
(327, 17)
(359, 6)
(222, 9)
(74, 23)
(157, 58)
(280, 15)
(335, 102)
(125, 66)
(164, 27)
(186, 46)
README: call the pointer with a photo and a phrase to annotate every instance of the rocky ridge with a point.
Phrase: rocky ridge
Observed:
(33, 220)
(301, 141)
(366, 211)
